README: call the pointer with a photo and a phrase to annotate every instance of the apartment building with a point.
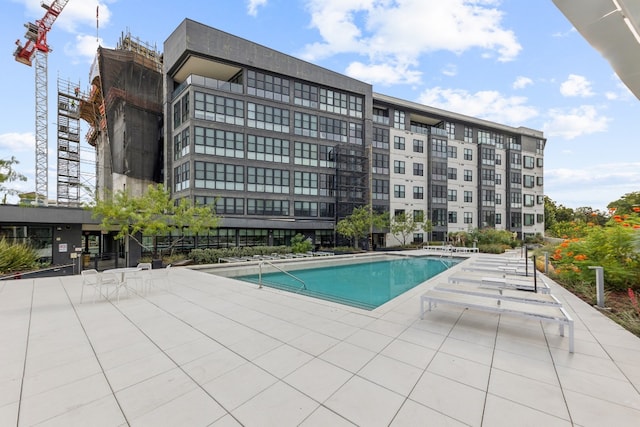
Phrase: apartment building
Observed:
(280, 146)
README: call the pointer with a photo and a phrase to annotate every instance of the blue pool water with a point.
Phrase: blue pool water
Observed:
(365, 285)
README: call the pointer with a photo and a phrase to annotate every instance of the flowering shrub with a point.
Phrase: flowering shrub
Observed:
(613, 247)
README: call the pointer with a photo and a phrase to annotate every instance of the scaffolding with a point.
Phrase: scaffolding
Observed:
(76, 164)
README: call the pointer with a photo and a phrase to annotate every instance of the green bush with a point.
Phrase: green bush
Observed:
(300, 244)
(493, 248)
(16, 257)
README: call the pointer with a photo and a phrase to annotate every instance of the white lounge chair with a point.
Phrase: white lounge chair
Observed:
(99, 282)
(545, 313)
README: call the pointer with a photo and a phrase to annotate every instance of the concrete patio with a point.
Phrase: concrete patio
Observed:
(212, 351)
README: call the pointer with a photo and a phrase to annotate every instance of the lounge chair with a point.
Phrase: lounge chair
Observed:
(545, 313)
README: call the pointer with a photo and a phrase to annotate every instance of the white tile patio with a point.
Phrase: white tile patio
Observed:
(213, 351)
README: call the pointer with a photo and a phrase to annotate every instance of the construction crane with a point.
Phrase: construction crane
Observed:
(36, 48)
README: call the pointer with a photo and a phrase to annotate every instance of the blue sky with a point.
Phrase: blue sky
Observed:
(516, 62)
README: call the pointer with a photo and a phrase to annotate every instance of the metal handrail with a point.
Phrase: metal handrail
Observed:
(304, 285)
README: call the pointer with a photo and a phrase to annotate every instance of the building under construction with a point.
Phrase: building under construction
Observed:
(124, 112)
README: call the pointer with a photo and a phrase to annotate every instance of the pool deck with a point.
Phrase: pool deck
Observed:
(213, 351)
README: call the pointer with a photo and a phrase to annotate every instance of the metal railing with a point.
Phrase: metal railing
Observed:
(261, 263)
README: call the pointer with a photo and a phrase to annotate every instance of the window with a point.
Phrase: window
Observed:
(540, 199)
(333, 129)
(451, 130)
(439, 217)
(418, 192)
(305, 95)
(516, 220)
(468, 154)
(217, 142)
(539, 181)
(355, 133)
(398, 166)
(498, 159)
(516, 180)
(498, 179)
(305, 154)
(398, 212)
(267, 149)
(327, 184)
(380, 163)
(528, 162)
(267, 117)
(418, 169)
(418, 237)
(267, 207)
(540, 162)
(498, 218)
(333, 101)
(452, 195)
(516, 161)
(439, 194)
(380, 115)
(327, 210)
(398, 142)
(468, 217)
(516, 199)
(219, 176)
(439, 148)
(452, 152)
(452, 173)
(439, 171)
(380, 189)
(498, 199)
(488, 177)
(514, 144)
(484, 137)
(380, 138)
(327, 159)
(305, 183)
(399, 119)
(218, 109)
(398, 191)
(540, 218)
(529, 200)
(468, 196)
(356, 106)
(181, 177)
(488, 198)
(452, 217)
(418, 146)
(223, 205)
(267, 86)
(305, 125)
(181, 144)
(264, 180)
(528, 181)
(468, 175)
(181, 111)
(418, 215)
(488, 156)
(468, 134)
(305, 209)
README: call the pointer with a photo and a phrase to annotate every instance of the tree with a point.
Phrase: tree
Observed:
(626, 204)
(359, 224)
(404, 225)
(300, 244)
(9, 174)
(152, 214)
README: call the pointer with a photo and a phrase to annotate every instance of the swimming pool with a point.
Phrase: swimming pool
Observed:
(365, 285)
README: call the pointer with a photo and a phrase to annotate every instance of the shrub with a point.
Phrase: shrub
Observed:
(16, 257)
(300, 244)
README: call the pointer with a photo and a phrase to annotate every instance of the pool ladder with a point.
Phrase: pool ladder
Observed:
(261, 263)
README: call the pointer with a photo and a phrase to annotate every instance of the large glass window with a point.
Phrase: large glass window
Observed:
(399, 191)
(398, 142)
(305, 154)
(223, 205)
(452, 195)
(219, 176)
(181, 177)
(418, 146)
(333, 101)
(305, 209)
(333, 129)
(439, 148)
(380, 189)
(380, 163)
(267, 86)
(399, 119)
(356, 135)
(305, 125)
(418, 169)
(267, 117)
(217, 108)
(181, 145)
(305, 95)
(468, 154)
(468, 175)
(217, 142)
(264, 180)
(267, 207)
(399, 167)
(267, 149)
(305, 183)
(380, 138)
(418, 192)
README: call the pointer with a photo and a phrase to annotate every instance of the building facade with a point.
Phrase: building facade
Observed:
(280, 146)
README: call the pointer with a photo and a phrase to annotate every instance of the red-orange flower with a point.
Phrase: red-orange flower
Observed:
(580, 257)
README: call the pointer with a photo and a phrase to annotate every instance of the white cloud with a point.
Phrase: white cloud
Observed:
(383, 74)
(576, 85)
(75, 14)
(450, 70)
(252, 7)
(385, 31)
(575, 122)
(489, 105)
(14, 142)
(522, 82)
(595, 186)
